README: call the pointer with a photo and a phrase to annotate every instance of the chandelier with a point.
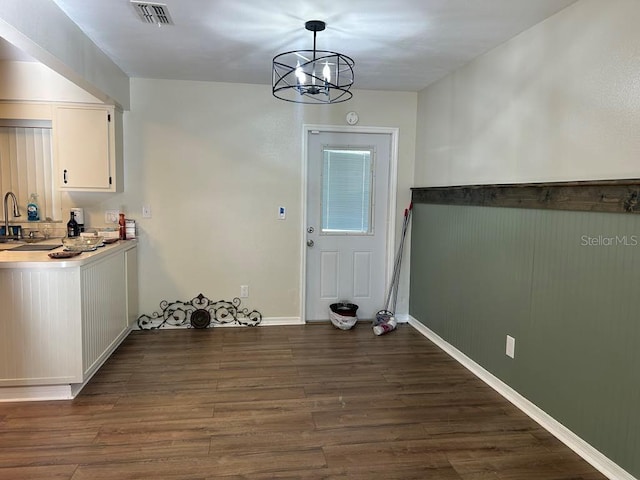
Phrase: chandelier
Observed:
(312, 76)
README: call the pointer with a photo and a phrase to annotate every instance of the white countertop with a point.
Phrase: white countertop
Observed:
(40, 259)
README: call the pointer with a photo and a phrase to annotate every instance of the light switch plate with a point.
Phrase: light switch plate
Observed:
(511, 346)
(111, 216)
(282, 213)
(146, 211)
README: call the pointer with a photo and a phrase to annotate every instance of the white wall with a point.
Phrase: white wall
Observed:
(214, 161)
(34, 81)
(559, 102)
(42, 30)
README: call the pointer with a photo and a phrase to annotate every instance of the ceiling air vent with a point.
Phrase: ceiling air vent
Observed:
(154, 13)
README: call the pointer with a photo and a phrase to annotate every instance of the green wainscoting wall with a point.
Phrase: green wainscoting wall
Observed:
(565, 284)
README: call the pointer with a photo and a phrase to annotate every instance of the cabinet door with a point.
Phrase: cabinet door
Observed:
(83, 137)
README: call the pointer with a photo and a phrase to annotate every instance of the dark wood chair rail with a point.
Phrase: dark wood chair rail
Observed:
(616, 196)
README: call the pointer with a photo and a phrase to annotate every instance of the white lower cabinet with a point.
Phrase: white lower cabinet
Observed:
(131, 262)
(40, 326)
(104, 310)
(59, 325)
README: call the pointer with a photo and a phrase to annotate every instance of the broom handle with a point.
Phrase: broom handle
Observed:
(395, 278)
(401, 252)
(395, 270)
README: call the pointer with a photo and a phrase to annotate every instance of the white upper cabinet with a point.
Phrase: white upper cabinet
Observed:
(88, 148)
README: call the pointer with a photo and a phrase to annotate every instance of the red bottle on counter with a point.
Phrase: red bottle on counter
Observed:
(122, 227)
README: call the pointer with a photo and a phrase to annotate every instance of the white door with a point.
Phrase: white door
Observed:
(347, 209)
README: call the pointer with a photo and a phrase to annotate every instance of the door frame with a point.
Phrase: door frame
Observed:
(391, 204)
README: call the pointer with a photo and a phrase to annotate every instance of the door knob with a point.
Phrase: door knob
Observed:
(311, 230)
(310, 243)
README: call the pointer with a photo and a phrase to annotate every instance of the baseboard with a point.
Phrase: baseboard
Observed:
(36, 393)
(599, 461)
(273, 321)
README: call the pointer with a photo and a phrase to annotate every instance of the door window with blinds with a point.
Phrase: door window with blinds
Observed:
(347, 193)
(26, 167)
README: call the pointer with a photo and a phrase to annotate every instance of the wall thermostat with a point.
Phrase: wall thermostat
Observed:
(352, 118)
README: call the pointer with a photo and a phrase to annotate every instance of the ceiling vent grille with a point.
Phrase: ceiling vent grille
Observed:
(154, 13)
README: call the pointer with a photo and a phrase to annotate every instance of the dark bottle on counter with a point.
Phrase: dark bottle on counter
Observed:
(73, 229)
(122, 227)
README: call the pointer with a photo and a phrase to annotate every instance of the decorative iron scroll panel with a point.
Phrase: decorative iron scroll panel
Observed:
(199, 312)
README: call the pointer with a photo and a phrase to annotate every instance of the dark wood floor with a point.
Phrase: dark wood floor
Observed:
(301, 402)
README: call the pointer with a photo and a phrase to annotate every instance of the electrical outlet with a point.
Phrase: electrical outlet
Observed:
(244, 291)
(111, 216)
(146, 211)
(511, 346)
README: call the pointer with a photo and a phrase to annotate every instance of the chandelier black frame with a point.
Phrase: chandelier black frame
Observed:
(313, 76)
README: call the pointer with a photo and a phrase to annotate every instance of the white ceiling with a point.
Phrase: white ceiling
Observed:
(397, 44)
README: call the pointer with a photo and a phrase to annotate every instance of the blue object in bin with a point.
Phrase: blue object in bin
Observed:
(14, 230)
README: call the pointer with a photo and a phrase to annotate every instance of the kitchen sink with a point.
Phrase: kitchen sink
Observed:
(32, 239)
(13, 240)
(35, 247)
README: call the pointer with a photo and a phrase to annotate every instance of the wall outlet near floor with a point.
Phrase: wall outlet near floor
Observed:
(244, 291)
(511, 346)
(111, 216)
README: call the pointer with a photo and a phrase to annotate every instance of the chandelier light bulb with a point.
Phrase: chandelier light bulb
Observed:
(326, 72)
(302, 78)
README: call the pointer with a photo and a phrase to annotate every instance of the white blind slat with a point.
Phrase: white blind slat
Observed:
(26, 167)
(346, 191)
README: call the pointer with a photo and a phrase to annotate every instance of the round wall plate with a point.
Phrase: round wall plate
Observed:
(352, 118)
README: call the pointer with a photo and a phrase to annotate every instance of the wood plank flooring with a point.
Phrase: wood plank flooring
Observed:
(297, 402)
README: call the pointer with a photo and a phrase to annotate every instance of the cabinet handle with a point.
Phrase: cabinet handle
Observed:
(64, 176)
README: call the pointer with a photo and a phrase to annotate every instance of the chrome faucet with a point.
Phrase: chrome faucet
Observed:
(16, 213)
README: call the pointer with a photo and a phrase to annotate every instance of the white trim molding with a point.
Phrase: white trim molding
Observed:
(599, 461)
(35, 393)
(274, 321)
